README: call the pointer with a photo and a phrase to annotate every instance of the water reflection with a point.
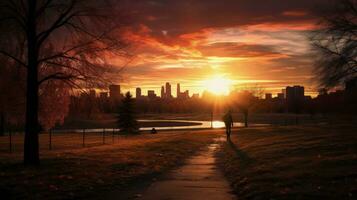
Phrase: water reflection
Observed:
(201, 125)
(218, 124)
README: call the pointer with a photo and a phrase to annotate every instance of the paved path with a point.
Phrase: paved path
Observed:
(197, 179)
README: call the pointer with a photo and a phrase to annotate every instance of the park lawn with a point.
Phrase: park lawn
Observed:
(292, 162)
(80, 173)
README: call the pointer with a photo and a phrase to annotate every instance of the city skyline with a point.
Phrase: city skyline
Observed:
(116, 92)
(269, 47)
(200, 88)
(138, 91)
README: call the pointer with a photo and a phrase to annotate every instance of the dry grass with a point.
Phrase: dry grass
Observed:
(77, 173)
(60, 141)
(70, 141)
(293, 162)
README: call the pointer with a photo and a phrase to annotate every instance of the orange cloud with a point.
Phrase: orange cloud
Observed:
(180, 42)
(295, 13)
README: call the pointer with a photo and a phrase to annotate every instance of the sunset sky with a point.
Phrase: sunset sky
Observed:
(251, 42)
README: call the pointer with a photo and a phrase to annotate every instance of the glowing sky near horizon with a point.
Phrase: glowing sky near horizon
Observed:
(250, 42)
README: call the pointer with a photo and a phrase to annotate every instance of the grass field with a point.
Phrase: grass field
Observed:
(292, 162)
(60, 141)
(83, 172)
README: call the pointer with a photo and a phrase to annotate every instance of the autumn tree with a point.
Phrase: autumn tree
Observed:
(11, 96)
(67, 40)
(53, 100)
(335, 43)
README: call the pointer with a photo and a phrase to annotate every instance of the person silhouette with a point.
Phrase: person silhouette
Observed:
(228, 122)
(153, 131)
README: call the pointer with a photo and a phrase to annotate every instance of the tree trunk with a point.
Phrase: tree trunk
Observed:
(2, 124)
(31, 147)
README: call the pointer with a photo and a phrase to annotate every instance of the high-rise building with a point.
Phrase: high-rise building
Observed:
(295, 93)
(168, 90)
(299, 92)
(281, 96)
(182, 95)
(195, 95)
(163, 92)
(138, 93)
(185, 95)
(114, 91)
(151, 94)
(283, 91)
(178, 89)
(294, 98)
(268, 96)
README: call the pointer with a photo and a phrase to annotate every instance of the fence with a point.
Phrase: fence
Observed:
(55, 140)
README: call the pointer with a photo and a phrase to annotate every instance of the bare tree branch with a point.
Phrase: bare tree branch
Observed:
(13, 58)
(61, 20)
(335, 44)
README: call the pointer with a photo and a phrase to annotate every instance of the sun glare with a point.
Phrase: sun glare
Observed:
(218, 85)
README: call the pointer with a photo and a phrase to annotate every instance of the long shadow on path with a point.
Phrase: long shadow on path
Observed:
(243, 156)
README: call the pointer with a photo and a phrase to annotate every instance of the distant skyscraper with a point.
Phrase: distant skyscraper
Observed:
(162, 91)
(178, 93)
(114, 91)
(138, 93)
(300, 92)
(295, 93)
(281, 96)
(295, 97)
(268, 96)
(283, 91)
(185, 95)
(151, 94)
(168, 90)
(196, 96)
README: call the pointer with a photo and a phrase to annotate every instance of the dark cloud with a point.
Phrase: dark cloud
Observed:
(234, 49)
(185, 16)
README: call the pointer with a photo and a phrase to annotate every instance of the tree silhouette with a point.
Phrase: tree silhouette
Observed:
(67, 40)
(11, 97)
(335, 44)
(126, 119)
(246, 99)
(2, 124)
(53, 99)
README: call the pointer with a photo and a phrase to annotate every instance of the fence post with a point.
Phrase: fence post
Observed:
(103, 135)
(118, 132)
(10, 141)
(113, 136)
(83, 137)
(50, 140)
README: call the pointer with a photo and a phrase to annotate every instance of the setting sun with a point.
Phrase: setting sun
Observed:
(218, 85)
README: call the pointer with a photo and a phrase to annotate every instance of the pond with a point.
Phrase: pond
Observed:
(193, 125)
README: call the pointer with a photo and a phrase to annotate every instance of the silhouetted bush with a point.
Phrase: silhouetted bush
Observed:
(126, 119)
